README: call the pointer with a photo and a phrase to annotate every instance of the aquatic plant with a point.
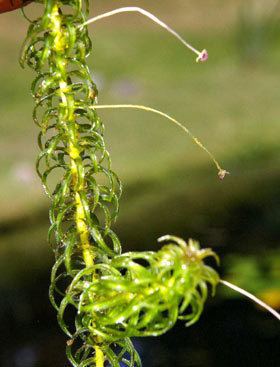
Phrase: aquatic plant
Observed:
(102, 297)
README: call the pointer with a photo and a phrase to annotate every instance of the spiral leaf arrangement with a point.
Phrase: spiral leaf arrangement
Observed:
(102, 297)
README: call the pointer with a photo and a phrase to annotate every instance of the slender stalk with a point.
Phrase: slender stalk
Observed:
(252, 297)
(201, 55)
(221, 172)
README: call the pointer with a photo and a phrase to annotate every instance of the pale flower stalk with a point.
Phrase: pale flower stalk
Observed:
(202, 56)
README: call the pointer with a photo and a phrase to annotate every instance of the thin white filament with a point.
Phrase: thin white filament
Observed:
(202, 55)
(221, 171)
(252, 297)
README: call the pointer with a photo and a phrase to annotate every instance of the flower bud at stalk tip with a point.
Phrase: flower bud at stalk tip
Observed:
(203, 56)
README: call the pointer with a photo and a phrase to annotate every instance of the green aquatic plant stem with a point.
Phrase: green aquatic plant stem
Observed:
(102, 297)
(71, 139)
(75, 169)
(67, 113)
(66, 110)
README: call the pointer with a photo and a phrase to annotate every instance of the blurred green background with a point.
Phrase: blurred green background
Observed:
(232, 103)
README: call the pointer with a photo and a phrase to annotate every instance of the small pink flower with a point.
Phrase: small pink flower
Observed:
(203, 56)
(222, 174)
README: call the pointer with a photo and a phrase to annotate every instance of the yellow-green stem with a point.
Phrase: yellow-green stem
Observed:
(99, 356)
(75, 158)
(77, 171)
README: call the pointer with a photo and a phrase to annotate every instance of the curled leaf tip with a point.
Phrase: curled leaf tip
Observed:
(202, 56)
(164, 238)
(222, 174)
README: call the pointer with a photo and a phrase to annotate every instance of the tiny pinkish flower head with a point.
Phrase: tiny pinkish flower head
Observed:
(203, 56)
(222, 174)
